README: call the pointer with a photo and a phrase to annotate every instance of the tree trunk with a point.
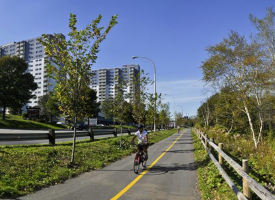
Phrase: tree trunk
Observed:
(120, 135)
(74, 139)
(231, 127)
(4, 113)
(251, 125)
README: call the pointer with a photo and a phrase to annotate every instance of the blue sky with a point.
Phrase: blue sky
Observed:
(173, 33)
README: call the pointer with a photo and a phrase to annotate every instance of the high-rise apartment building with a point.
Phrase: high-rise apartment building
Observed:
(33, 53)
(104, 81)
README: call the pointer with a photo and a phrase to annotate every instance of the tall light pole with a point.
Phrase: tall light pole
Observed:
(174, 110)
(155, 87)
(181, 110)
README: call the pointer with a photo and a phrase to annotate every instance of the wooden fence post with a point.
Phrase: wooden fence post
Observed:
(246, 189)
(51, 137)
(92, 135)
(210, 147)
(115, 132)
(220, 156)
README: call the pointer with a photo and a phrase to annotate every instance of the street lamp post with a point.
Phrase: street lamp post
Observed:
(174, 110)
(181, 110)
(155, 87)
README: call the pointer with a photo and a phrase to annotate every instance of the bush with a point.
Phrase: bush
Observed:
(25, 115)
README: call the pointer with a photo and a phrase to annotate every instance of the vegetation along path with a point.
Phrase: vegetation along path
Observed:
(170, 174)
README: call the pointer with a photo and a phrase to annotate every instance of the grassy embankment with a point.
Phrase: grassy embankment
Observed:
(211, 183)
(16, 122)
(261, 160)
(25, 169)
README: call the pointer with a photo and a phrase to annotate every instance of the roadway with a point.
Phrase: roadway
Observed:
(171, 174)
(29, 142)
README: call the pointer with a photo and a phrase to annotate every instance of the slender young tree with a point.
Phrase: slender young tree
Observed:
(140, 96)
(70, 64)
(164, 115)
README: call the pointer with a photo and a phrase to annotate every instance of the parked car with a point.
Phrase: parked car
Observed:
(80, 126)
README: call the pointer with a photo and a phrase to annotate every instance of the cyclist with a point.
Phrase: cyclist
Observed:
(142, 136)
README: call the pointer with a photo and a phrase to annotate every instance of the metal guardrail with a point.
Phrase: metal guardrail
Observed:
(52, 134)
(262, 192)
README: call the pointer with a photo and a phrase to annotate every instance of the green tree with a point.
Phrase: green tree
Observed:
(265, 35)
(52, 106)
(118, 108)
(16, 84)
(236, 64)
(152, 110)
(107, 108)
(71, 62)
(179, 119)
(42, 105)
(164, 115)
(140, 97)
(48, 107)
(91, 107)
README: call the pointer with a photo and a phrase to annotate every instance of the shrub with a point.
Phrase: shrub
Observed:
(25, 115)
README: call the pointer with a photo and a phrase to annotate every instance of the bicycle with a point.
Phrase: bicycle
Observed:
(140, 157)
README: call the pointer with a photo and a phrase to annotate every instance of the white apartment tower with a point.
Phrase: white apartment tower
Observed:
(104, 81)
(33, 52)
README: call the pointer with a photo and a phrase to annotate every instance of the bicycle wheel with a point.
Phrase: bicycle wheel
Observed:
(136, 163)
(144, 160)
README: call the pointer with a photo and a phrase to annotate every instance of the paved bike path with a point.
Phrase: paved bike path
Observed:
(172, 177)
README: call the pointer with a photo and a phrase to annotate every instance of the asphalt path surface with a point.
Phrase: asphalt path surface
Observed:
(170, 174)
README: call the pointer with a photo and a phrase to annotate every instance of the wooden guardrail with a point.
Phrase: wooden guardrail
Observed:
(52, 134)
(248, 182)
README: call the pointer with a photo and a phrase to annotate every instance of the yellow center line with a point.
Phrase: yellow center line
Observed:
(144, 172)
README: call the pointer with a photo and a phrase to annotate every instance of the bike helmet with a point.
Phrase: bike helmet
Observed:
(140, 126)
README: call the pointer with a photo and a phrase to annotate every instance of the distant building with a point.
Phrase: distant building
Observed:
(33, 52)
(104, 81)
